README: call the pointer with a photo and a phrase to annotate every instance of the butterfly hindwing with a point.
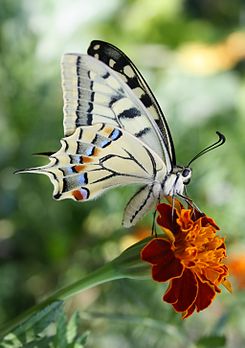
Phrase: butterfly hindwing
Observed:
(94, 93)
(98, 157)
(118, 61)
(142, 201)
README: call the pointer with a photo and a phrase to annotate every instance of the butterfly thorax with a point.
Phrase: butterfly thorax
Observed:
(174, 183)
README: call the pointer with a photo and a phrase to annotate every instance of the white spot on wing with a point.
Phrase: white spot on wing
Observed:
(112, 62)
(128, 71)
(138, 91)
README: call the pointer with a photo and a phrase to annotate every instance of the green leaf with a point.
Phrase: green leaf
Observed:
(81, 340)
(66, 335)
(72, 328)
(213, 341)
(11, 341)
(34, 324)
(43, 342)
(60, 340)
(41, 319)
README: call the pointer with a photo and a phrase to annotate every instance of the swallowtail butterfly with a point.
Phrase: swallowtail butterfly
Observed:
(114, 134)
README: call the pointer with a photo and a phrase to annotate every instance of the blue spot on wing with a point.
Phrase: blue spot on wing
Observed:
(84, 149)
(105, 143)
(89, 151)
(115, 134)
(67, 171)
(85, 192)
(82, 179)
(71, 183)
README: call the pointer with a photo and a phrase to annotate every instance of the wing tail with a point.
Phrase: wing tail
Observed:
(48, 170)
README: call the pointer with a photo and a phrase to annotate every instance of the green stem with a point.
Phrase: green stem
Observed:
(104, 274)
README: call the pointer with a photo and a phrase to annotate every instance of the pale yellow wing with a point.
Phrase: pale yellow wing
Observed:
(94, 93)
(99, 157)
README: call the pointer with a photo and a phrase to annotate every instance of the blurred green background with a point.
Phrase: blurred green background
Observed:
(192, 53)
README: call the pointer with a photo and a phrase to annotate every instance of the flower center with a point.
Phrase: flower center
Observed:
(197, 246)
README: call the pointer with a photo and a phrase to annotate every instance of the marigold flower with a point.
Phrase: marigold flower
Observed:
(190, 257)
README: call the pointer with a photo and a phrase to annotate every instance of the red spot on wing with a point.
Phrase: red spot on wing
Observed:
(96, 152)
(78, 195)
(86, 159)
(79, 168)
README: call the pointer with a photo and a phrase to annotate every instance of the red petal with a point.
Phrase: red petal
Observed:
(196, 214)
(189, 312)
(209, 221)
(168, 270)
(167, 217)
(206, 294)
(182, 291)
(158, 250)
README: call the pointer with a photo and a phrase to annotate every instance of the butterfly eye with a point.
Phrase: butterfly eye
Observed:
(186, 172)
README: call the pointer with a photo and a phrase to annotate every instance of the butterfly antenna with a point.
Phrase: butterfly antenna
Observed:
(211, 147)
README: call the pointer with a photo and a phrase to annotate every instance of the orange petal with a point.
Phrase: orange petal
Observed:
(227, 285)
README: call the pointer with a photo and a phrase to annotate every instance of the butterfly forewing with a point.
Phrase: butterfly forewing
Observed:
(118, 61)
(94, 93)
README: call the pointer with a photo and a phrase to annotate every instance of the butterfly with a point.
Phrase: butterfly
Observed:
(115, 134)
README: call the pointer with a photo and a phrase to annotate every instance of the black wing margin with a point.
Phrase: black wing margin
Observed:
(119, 62)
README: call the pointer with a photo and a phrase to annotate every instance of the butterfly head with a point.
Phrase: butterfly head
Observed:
(182, 173)
(186, 175)
(175, 182)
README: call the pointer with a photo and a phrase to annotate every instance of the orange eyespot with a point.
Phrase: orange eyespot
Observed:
(80, 168)
(96, 152)
(78, 195)
(86, 159)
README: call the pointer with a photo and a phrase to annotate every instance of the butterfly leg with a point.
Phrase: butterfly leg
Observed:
(190, 202)
(153, 228)
(173, 201)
